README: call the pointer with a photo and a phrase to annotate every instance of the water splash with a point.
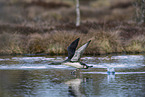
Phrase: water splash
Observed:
(30, 67)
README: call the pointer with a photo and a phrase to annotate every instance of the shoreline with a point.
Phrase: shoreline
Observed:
(107, 54)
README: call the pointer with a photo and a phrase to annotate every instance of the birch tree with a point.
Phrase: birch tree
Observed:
(140, 11)
(77, 13)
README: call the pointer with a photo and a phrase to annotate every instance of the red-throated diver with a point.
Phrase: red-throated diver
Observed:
(75, 55)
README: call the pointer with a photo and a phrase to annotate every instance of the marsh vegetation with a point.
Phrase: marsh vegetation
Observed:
(48, 26)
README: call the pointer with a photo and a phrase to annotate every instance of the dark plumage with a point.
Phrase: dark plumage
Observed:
(72, 48)
(75, 55)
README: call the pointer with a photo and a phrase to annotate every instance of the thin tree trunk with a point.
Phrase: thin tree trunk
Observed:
(77, 13)
(140, 11)
(143, 10)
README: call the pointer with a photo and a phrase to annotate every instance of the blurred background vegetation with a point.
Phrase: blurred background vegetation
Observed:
(48, 26)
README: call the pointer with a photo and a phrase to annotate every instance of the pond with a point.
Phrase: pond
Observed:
(31, 76)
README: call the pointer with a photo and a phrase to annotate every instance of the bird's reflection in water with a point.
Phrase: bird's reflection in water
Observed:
(74, 86)
(111, 78)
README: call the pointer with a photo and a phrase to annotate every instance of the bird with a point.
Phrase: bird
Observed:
(110, 71)
(74, 55)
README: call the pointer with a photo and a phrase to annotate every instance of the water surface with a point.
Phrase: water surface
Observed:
(31, 76)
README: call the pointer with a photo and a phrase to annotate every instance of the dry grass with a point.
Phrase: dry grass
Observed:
(136, 44)
(60, 41)
(47, 29)
(11, 44)
(104, 42)
(57, 42)
(36, 44)
(51, 43)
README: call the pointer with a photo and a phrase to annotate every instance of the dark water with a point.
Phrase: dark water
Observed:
(32, 77)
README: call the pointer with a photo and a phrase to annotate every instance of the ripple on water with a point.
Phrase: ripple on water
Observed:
(128, 57)
(123, 61)
(32, 66)
(32, 58)
(6, 59)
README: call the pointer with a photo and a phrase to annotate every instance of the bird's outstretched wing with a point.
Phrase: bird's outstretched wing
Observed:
(72, 48)
(79, 52)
